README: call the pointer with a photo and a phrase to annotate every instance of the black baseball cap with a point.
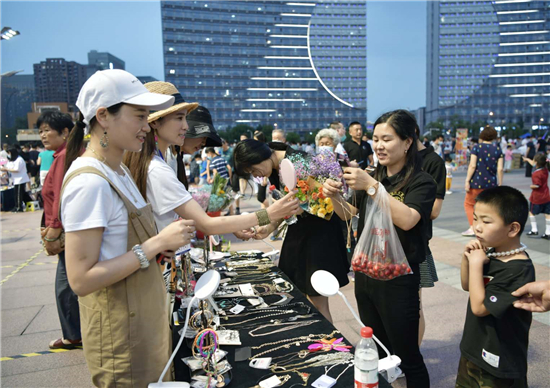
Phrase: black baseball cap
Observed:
(201, 125)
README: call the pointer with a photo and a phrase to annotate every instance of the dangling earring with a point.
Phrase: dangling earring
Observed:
(156, 141)
(104, 141)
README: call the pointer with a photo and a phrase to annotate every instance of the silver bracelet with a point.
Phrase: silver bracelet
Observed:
(138, 251)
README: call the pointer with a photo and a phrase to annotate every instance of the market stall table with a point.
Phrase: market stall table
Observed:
(244, 375)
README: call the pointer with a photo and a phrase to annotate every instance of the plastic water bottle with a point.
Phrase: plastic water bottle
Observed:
(277, 195)
(366, 361)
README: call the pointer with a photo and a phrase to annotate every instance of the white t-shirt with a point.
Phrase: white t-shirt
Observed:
(89, 202)
(20, 176)
(340, 150)
(165, 192)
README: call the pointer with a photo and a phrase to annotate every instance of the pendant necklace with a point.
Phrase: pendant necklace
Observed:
(103, 160)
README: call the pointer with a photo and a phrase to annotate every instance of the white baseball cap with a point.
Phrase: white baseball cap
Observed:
(110, 87)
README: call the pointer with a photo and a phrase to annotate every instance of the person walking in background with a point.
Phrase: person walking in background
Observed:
(530, 154)
(539, 200)
(341, 130)
(358, 150)
(278, 136)
(484, 172)
(449, 167)
(45, 160)
(54, 128)
(439, 145)
(18, 170)
(508, 156)
(33, 159)
(218, 166)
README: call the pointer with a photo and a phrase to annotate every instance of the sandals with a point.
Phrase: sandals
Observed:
(62, 343)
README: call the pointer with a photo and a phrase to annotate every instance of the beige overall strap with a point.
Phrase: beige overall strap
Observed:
(93, 170)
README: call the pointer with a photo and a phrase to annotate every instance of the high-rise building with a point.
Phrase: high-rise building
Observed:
(145, 78)
(17, 98)
(294, 65)
(58, 80)
(489, 61)
(103, 61)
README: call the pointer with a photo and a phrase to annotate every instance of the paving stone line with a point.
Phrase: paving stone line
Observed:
(21, 266)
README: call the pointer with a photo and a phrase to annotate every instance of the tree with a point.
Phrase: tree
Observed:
(292, 137)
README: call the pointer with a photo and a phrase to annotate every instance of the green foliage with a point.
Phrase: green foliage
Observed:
(292, 137)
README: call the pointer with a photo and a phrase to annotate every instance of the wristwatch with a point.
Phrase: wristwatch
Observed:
(138, 251)
(371, 190)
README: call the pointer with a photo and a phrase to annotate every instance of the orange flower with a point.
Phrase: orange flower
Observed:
(314, 196)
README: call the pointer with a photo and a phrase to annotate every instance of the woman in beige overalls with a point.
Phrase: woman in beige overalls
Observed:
(111, 240)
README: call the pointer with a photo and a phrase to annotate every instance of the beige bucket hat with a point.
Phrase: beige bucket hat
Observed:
(168, 89)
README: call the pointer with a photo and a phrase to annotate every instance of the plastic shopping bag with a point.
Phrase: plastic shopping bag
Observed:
(379, 253)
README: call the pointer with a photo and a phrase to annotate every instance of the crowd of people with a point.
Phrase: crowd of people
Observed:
(120, 200)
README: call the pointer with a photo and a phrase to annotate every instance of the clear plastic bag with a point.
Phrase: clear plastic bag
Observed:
(379, 253)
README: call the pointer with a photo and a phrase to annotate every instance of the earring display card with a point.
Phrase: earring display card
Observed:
(324, 382)
(229, 337)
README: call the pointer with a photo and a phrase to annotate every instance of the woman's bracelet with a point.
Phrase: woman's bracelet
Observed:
(263, 217)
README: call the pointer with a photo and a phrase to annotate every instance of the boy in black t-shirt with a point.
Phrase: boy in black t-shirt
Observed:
(496, 335)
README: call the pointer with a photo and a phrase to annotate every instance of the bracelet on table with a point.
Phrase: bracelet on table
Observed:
(52, 239)
(263, 217)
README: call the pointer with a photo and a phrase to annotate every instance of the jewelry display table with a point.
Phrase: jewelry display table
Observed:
(283, 332)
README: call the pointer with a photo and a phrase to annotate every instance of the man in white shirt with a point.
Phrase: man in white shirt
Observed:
(339, 127)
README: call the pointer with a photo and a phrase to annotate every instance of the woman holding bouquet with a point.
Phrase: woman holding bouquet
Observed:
(392, 307)
(312, 243)
(159, 184)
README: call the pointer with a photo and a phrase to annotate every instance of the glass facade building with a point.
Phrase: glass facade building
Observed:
(489, 61)
(294, 65)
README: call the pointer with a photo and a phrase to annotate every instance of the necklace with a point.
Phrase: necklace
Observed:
(287, 326)
(310, 337)
(123, 177)
(321, 360)
(508, 253)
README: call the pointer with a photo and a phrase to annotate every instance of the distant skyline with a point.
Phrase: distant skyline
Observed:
(396, 42)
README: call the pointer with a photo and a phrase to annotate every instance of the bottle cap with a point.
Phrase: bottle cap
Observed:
(366, 332)
(272, 187)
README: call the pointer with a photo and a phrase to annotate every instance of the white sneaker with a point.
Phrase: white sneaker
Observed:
(468, 233)
(448, 192)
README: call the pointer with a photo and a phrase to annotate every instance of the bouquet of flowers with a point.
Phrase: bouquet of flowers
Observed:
(202, 195)
(219, 199)
(312, 172)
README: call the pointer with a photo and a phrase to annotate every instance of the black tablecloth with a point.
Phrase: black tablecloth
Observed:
(245, 376)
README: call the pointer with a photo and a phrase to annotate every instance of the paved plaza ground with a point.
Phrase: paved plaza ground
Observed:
(29, 316)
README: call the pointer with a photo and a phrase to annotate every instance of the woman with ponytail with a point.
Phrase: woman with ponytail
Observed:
(111, 241)
(391, 307)
(158, 182)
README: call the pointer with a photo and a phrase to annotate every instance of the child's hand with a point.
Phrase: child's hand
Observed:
(472, 245)
(477, 257)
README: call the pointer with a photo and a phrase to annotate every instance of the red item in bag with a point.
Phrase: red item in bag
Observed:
(379, 253)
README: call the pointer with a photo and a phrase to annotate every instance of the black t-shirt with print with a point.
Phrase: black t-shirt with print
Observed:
(358, 152)
(418, 194)
(497, 343)
(434, 165)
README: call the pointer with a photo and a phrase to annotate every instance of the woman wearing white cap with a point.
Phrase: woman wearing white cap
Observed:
(168, 196)
(111, 235)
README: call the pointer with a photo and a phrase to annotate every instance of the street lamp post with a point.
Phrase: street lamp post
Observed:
(7, 33)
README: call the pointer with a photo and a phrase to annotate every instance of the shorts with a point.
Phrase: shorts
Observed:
(538, 209)
(472, 376)
(428, 274)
